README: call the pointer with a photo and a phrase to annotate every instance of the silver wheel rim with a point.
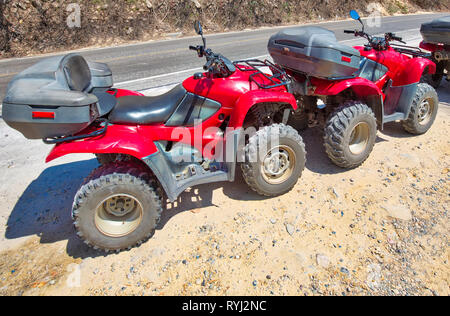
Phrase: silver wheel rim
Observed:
(118, 215)
(425, 111)
(359, 138)
(278, 165)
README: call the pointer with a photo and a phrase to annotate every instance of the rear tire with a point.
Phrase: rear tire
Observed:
(424, 110)
(117, 208)
(298, 120)
(274, 169)
(436, 79)
(350, 134)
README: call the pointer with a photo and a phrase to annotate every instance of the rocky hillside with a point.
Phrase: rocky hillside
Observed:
(39, 26)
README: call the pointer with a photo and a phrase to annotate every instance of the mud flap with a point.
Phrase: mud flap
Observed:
(175, 177)
(398, 102)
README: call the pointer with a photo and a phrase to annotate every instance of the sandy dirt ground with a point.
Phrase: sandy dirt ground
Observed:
(381, 229)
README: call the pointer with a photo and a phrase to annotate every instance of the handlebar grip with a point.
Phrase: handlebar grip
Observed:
(207, 66)
(192, 48)
(349, 32)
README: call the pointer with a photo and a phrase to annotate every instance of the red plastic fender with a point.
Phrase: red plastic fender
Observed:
(412, 71)
(361, 86)
(431, 47)
(118, 139)
(251, 98)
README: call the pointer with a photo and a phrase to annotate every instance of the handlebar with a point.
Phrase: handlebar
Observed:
(215, 63)
(392, 36)
(377, 42)
(208, 64)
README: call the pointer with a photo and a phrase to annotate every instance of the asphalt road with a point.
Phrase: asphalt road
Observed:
(137, 61)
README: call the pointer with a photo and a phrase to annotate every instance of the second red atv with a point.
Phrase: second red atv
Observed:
(154, 148)
(436, 39)
(354, 91)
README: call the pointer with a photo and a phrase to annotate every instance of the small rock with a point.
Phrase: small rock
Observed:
(399, 212)
(290, 229)
(322, 260)
(345, 270)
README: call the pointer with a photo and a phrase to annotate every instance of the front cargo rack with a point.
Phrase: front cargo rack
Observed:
(278, 78)
(58, 140)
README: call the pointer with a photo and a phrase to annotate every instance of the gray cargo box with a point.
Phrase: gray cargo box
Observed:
(101, 76)
(437, 31)
(314, 51)
(55, 97)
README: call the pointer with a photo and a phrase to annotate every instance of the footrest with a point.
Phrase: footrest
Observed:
(397, 116)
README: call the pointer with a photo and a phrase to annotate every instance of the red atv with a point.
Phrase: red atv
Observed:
(153, 148)
(354, 91)
(436, 35)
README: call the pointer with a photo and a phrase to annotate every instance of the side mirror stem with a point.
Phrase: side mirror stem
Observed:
(204, 41)
(362, 23)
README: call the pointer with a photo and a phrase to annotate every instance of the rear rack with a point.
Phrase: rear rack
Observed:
(278, 78)
(410, 50)
(58, 140)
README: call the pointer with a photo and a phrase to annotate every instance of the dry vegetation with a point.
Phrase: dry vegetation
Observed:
(39, 26)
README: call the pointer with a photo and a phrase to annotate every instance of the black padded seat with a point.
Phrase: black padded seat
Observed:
(147, 110)
(77, 72)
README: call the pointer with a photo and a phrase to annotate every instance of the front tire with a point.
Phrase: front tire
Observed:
(423, 111)
(274, 169)
(350, 134)
(117, 208)
(104, 159)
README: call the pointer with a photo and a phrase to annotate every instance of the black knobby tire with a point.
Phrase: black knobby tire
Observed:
(123, 179)
(341, 137)
(290, 144)
(104, 159)
(414, 124)
(435, 79)
(299, 120)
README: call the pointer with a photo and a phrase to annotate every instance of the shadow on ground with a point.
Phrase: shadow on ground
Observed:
(44, 208)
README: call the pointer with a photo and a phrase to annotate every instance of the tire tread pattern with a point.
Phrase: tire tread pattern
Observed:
(335, 128)
(260, 139)
(121, 172)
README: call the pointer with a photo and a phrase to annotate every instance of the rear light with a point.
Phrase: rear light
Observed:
(346, 59)
(44, 115)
